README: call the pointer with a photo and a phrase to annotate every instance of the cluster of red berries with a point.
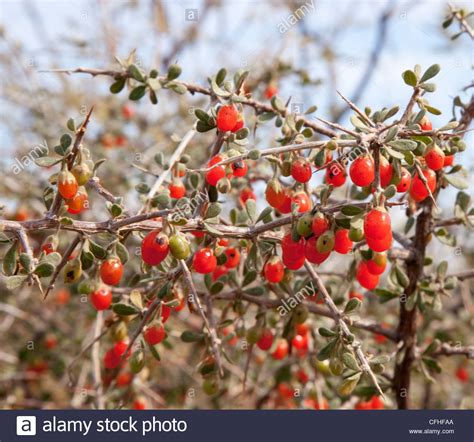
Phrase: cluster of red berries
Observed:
(229, 119)
(236, 169)
(70, 187)
(374, 403)
(114, 357)
(282, 198)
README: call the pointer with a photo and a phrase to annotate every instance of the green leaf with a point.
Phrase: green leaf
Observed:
(9, 260)
(431, 72)
(174, 72)
(390, 191)
(402, 277)
(409, 78)
(71, 125)
(190, 336)
(13, 282)
(352, 305)
(350, 361)
(154, 352)
(44, 270)
(213, 210)
(216, 287)
(117, 86)
(351, 210)
(251, 208)
(135, 72)
(125, 309)
(326, 332)
(428, 87)
(255, 291)
(326, 352)
(137, 93)
(47, 161)
(249, 278)
(122, 252)
(264, 214)
(220, 77)
(456, 181)
(65, 141)
(386, 295)
(432, 110)
(98, 251)
(403, 145)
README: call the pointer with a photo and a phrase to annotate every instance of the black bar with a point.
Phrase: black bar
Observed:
(242, 426)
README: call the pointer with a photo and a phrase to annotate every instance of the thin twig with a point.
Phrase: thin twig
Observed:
(212, 332)
(338, 317)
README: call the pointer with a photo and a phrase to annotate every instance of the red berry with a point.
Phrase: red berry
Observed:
(362, 171)
(302, 329)
(302, 376)
(154, 334)
(101, 298)
(426, 124)
(78, 203)
(302, 200)
(124, 379)
(127, 112)
(67, 184)
(165, 313)
(247, 194)
(138, 405)
(312, 254)
(239, 168)
(293, 264)
(111, 271)
(418, 190)
(320, 224)
(111, 360)
(354, 294)
(226, 118)
(435, 158)
(448, 160)
(233, 257)
(281, 350)
(335, 175)
(365, 278)
(405, 181)
(215, 174)
(177, 189)
(377, 224)
(377, 264)
(380, 245)
(377, 403)
(342, 242)
(386, 172)
(218, 272)
(120, 347)
(286, 201)
(462, 374)
(266, 339)
(301, 170)
(274, 270)
(274, 194)
(48, 248)
(291, 249)
(121, 140)
(300, 342)
(204, 261)
(154, 248)
(270, 91)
